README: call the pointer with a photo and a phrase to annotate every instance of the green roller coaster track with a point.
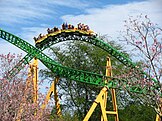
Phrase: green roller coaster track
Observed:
(74, 74)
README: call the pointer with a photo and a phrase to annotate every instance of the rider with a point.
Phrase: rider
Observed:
(63, 26)
(66, 26)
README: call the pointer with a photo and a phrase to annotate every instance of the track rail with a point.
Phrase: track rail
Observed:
(79, 75)
(50, 40)
(18, 67)
(64, 36)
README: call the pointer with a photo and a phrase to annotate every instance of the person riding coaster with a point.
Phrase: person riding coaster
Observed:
(81, 28)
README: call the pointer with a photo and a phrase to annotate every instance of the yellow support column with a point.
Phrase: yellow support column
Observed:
(157, 117)
(53, 89)
(102, 99)
(35, 80)
(28, 84)
(57, 102)
(48, 96)
(159, 114)
(99, 100)
(108, 73)
(115, 108)
(115, 111)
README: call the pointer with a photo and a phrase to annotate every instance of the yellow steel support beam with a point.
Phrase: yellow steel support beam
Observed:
(108, 73)
(115, 111)
(102, 99)
(159, 111)
(53, 89)
(28, 84)
(57, 103)
(33, 76)
(48, 96)
(35, 80)
(157, 117)
(99, 100)
(114, 105)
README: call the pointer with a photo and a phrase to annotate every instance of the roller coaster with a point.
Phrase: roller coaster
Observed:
(107, 81)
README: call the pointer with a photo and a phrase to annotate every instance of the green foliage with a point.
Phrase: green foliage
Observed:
(80, 55)
(78, 97)
(136, 112)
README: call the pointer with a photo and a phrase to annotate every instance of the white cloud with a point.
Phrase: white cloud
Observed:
(70, 3)
(109, 19)
(27, 34)
(6, 47)
(24, 11)
(106, 20)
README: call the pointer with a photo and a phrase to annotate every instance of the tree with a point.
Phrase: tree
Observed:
(137, 112)
(80, 55)
(145, 38)
(78, 97)
(16, 99)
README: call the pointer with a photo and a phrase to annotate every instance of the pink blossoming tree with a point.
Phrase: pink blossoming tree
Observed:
(16, 96)
(145, 40)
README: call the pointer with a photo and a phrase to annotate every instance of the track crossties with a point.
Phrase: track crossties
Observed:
(79, 75)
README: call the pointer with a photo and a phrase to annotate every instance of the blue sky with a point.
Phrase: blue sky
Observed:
(20, 14)
(28, 18)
